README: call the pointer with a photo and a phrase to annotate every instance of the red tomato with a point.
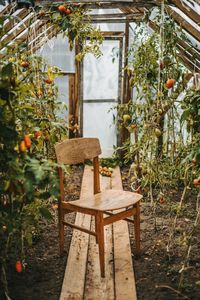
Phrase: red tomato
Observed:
(18, 266)
(68, 11)
(196, 181)
(170, 83)
(38, 134)
(48, 81)
(61, 8)
(27, 141)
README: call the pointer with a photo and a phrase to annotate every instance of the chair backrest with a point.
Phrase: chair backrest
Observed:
(75, 151)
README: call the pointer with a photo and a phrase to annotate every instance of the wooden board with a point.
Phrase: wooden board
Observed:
(74, 278)
(95, 286)
(82, 277)
(124, 276)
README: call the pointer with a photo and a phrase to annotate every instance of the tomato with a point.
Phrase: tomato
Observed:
(68, 11)
(162, 200)
(48, 81)
(25, 64)
(22, 147)
(61, 9)
(170, 83)
(38, 134)
(126, 118)
(196, 181)
(158, 132)
(27, 141)
(18, 266)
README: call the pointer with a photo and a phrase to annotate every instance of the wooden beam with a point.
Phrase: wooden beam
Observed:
(18, 29)
(183, 23)
(109, 21)
(7, 9)
(116, 15)
(14, 19)
(188, 10)
(77, 258)
(192, 50)
(106, 4)
(124, 132)
(124, 274)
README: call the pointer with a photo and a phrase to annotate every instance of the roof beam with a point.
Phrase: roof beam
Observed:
(183, 23)
(103, 4)
(187, 10)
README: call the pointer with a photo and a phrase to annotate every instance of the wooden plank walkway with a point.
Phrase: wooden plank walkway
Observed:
(82, 280)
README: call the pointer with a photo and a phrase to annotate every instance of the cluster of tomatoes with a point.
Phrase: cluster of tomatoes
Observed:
(26, 142)
(63, 10)
(105, 171)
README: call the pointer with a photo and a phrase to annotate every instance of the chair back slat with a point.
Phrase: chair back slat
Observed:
(75, 151)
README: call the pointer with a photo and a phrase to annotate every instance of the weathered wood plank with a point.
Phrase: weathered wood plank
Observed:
(95, 286)
(74, 278)
(74, 151)
(124, 276)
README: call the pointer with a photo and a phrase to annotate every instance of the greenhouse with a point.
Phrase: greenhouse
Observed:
(99, 150)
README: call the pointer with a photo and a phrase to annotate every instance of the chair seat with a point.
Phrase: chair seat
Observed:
(108, 200)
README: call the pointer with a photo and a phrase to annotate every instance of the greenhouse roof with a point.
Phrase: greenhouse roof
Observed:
(25, 23)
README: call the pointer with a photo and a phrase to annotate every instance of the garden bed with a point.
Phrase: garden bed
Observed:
(157, 272)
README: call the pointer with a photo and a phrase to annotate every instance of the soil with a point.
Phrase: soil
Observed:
(158, 272)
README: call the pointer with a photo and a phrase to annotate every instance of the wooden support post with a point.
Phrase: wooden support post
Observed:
(124, 132)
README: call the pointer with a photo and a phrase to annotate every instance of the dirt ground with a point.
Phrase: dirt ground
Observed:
(157, 271)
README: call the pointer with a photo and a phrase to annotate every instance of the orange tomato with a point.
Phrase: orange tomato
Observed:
(27, 141)
(162, 200)
(196, 181)
(61, 8)
(25, 64)
(170, 83)
(22, 146)
(18, 266)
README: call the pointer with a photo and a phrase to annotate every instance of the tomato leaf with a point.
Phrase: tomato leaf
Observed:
(45, 213)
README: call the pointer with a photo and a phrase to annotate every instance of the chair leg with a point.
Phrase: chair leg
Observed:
(100, 238)
(137, 228)
(96, 228)
(61, 233)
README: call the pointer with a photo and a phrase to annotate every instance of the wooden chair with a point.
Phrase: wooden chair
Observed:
(109, 202)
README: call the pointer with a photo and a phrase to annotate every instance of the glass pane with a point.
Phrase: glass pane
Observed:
(63, 90)
(98, 122)
(101, 75)
(57, 53)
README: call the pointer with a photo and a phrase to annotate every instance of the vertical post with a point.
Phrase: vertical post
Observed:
(60, 211)
(79, 91)
(72, 104)
(137, 228)
(125, 134)
(96, 175)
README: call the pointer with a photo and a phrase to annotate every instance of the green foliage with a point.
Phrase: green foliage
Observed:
(76, 25)
(28, 111)
(191, 109)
